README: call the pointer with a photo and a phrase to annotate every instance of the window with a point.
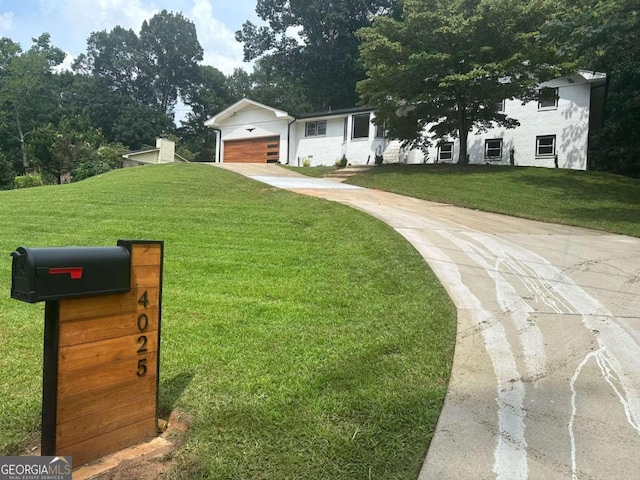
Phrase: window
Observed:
(379, 131)
(546, 146)
(315, 129)
(360, 128)
(500, 106)
(548, 98)
(493, 149)
(445, 152)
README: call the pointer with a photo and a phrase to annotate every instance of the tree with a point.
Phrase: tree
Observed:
(152, 68)
(447, 63)
(58, 151)
(604, 36)
(27, 92)
(171, 49)
(310, 46)
(207, 94)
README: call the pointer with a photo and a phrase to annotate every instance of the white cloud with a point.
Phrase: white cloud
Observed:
(6, 24)
(221, 49)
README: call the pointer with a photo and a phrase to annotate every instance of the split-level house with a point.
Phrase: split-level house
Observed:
(553, 131)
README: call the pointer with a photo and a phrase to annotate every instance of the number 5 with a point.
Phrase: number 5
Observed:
(142, 367)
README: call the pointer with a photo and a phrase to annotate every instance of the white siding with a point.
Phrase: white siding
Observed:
(261, 122)
(569, 122)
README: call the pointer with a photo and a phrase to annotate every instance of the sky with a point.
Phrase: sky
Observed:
(70, 22)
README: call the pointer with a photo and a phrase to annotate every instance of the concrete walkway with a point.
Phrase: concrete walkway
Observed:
(546, 374)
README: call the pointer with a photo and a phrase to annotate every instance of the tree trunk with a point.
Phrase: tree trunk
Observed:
(463, 158)
(463, 132)
(23, 146)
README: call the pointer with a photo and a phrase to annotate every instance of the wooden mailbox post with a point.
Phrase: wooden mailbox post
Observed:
(101, 364)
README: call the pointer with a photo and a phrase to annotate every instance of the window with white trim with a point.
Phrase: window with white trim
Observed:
(316, 129)
(500, 106)
(546, 146)
(548, 98)
(360, 127)
(493, 149)
(445, 152)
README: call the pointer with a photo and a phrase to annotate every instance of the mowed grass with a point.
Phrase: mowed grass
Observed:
(595, 200)
(301, 338)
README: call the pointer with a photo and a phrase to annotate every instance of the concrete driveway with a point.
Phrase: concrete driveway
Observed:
(546, 374)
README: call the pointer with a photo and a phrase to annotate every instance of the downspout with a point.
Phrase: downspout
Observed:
(218, 144)
(289, 140)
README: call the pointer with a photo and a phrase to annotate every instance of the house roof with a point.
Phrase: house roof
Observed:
(338, 112)
(128, 155)
(242, 105)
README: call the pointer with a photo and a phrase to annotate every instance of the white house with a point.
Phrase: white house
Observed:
(554, 130)
(165, 152)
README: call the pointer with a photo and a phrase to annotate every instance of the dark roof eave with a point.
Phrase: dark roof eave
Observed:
(332, 113)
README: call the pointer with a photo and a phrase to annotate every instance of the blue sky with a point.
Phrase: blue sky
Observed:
(71, 21)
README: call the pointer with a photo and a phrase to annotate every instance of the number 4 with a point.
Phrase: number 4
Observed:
(144, 300)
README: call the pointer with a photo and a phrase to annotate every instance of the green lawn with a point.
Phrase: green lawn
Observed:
(302, 339)
(588, 199)
(319, 171)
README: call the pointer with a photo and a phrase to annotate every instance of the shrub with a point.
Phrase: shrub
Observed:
(306, 162)
(27, 181)
(378, 160)
(342, 162)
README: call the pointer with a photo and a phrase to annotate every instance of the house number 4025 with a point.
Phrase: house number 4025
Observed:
(143, 324)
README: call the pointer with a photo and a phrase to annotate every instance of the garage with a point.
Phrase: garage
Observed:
(253, 150)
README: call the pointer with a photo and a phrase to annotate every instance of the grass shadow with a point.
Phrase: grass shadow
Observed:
(171, 390)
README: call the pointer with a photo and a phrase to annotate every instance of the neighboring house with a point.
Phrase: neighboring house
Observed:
(165, 152)
(553, 130)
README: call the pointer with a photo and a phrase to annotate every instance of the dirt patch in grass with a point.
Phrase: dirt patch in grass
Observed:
(147, 461)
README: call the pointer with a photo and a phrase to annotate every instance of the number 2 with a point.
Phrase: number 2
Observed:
(142, 340)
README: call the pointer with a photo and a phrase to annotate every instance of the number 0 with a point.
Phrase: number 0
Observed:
(143, 322)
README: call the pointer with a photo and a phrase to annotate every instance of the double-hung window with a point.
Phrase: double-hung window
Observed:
(316, 129)
(445, 152)
(546, 146)
(493, 149)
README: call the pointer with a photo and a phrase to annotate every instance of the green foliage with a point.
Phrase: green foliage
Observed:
(27, 181)
(26, 87)
(342, 162)
(448, 63)
(320, 63)
(604, 36)
(7, 173)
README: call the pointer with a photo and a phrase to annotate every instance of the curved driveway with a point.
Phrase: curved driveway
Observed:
(546, 374)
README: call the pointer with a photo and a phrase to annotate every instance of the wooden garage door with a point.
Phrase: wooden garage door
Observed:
(254, 150)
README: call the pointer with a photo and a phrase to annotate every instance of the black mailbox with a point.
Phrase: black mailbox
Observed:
(40, 274)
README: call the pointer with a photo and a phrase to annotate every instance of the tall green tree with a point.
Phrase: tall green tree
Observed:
(207, 94)
(153, 68)
(310, 46)
(27, 88)
(604, 35)
(447, 63)
(172, 52)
